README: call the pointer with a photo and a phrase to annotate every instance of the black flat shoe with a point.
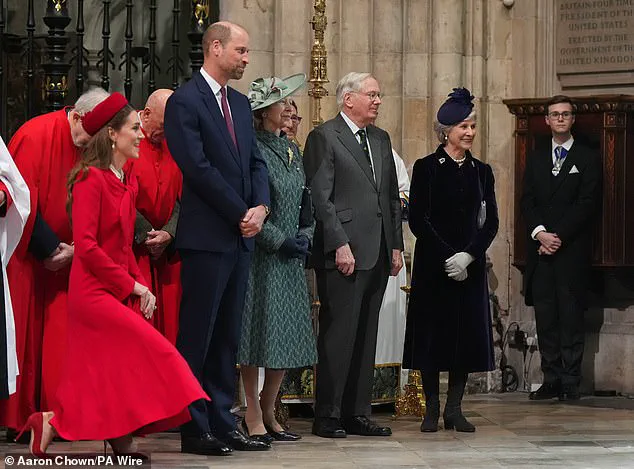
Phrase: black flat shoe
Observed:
(284, 435)
(264, 438)
(238, 441)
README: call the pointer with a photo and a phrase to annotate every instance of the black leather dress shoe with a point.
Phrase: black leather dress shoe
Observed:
(264, 437)
(327, 427)
(238, 441)
(569, 393)
(283, 435)
(205, 444)
(545, 391)
(361, 425)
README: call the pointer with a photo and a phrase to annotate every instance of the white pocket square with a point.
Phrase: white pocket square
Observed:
(574, 170)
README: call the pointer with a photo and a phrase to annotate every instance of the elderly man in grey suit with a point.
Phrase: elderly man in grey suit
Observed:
(357, 245)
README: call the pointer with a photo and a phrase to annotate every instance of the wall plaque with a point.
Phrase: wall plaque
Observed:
(595, 42)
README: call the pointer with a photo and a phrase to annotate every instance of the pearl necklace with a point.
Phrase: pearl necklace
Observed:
(117, 172)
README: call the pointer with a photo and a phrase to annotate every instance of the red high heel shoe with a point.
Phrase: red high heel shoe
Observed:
(35, 424)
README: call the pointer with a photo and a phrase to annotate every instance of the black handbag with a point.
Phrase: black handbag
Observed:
(306, 214)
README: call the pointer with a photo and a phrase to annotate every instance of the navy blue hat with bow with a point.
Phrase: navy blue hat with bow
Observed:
(456, 108)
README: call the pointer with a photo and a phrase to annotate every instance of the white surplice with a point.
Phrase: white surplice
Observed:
(11, 227)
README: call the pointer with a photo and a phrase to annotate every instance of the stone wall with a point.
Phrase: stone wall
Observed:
(419, 50)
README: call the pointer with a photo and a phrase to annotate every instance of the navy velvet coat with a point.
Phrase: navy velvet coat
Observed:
(449, 322)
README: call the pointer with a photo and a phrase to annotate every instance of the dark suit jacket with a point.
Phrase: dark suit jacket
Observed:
(564, 204)
(220, 182)
(350, 207)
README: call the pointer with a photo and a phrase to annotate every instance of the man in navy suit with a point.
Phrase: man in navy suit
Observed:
(209, 132)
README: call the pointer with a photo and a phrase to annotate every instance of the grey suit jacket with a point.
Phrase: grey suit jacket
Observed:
(350, 206)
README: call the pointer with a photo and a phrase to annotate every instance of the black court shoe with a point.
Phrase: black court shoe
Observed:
(264, 438)
(283, 435)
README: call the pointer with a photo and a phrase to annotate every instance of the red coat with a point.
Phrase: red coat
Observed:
(44, 153)
(160, 186)
(121, 376)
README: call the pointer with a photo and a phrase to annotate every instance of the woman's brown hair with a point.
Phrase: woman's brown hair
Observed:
(98, 153)
(258, 119)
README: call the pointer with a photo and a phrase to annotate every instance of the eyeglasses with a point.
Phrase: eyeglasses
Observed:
(372, 95)
(556, 115)
(296, 119)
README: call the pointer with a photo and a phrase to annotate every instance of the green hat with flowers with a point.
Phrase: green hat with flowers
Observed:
(266, 91)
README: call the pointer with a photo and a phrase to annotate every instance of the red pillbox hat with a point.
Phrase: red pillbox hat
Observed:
(94, 120)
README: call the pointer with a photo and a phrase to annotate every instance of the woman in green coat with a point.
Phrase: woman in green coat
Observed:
(277, 331)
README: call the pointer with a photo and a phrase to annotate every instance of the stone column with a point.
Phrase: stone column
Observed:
(417, 117)
(355, 40)
(527, 68)
(475, 55)
(387, 64)
(447, 50)
(258, 18)
(496, 127)
(293, 41)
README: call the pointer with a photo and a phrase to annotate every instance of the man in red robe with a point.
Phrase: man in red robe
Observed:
(160, 186)
(44, 150)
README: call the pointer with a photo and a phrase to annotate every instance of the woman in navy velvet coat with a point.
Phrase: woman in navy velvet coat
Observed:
(449, 321)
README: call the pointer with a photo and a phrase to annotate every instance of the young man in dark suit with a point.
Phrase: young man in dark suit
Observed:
(357, 245)
(562, 192)
(209, 131)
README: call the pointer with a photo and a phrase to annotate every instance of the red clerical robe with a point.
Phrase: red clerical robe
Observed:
(160, 186)
(44, 153)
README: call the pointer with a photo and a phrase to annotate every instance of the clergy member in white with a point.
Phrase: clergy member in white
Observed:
(391, 335)
(14, 210)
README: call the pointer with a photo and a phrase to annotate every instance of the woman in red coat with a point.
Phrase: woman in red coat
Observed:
(122, 377)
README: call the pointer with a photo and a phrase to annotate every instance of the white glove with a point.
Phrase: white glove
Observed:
(458, 263)
(461, 277)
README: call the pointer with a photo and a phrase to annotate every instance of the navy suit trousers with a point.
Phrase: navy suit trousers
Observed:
(214, 287)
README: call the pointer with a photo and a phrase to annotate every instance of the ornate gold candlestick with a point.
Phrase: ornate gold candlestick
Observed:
(413, 401)
(318, 62)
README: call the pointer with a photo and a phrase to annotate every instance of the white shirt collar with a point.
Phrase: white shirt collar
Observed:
(353, 127)
(567, 144)
(213, 84)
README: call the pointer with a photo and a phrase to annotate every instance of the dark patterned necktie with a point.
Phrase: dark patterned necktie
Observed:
(225, 111)
(364, 144)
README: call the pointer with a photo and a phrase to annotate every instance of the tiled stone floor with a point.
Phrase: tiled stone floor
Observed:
(511, 433)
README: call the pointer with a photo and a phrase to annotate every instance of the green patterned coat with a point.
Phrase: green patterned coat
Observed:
(276, 326)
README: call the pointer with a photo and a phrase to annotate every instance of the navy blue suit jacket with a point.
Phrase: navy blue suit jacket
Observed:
(220, 182)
